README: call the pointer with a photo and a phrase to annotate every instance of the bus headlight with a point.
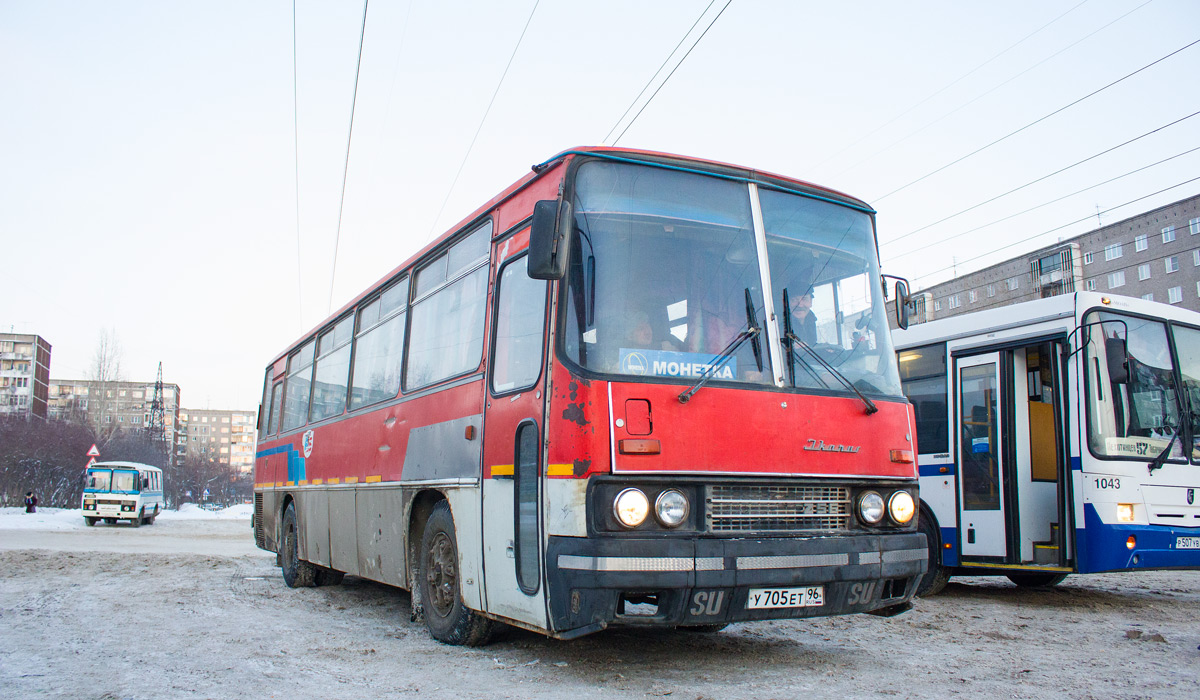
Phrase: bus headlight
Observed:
(870, 508)
(631, 507)
(671, 508)
(901, 507)
(1124, 512)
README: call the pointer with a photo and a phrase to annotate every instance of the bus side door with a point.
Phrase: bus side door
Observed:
(513, 441)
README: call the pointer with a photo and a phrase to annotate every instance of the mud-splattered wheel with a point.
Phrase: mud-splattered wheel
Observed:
(448, 619)
(297, 573)
(936, 576)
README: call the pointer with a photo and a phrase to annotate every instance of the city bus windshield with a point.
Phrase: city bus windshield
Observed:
(125, 481)
(98, 479)
(665, 274)
(1136, 419)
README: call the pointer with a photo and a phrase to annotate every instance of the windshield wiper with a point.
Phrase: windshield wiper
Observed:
(750, 333)
(871, 407)
(792, 357)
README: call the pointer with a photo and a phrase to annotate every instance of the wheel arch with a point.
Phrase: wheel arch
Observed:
(419, 509)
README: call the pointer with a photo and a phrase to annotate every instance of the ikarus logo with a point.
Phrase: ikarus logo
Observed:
(819, 446)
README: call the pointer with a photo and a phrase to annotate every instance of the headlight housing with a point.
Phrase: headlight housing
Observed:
(870, 508)
(671, 508)
(631, 507)
(901, 507)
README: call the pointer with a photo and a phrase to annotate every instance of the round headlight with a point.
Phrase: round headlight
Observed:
(631, 507)
(870, 508)
(671, 508)
(901, 507)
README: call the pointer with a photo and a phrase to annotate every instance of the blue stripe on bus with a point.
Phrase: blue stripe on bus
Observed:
(296, 467)
(936, 469)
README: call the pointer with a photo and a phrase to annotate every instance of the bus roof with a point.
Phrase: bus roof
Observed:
(1032, 312)
(126, 465)
(537, 171)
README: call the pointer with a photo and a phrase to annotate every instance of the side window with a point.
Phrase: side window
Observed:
(448, 314)
(520, 314)
(276, 406)
(297, 386)
(332, 372)
(923, 378)
(526, 496)
(379, 347)
(265, 405)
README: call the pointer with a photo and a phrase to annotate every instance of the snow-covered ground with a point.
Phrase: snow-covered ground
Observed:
(190, 608)
(72, 519)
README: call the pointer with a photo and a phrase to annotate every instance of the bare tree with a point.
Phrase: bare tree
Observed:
(106, 372)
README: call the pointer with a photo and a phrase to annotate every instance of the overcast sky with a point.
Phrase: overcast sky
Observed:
(148, 149)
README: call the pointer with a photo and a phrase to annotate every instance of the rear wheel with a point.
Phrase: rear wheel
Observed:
(297, 573)
(449, 620)
(90, 522)
(936, 576)
(1045, 580)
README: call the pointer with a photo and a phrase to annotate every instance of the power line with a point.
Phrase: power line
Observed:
(1044, 177)
(484, 119)
(1037, 121)
(346, 167)
(660, 68)
(1058, 228)
(296, 139)
(677, 65)
(944, 88)
(1044, 204)
(993, 89)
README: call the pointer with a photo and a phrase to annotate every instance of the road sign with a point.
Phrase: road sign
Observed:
(93, 452)
(90, 463)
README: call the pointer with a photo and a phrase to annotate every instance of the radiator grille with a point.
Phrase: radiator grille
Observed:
(260, 537)
(777, 508)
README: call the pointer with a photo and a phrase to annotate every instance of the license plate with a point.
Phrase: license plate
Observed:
(1187, 543)
(809, 597)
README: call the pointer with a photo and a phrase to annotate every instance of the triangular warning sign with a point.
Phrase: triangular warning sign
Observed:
(93, 452)
(90, 463)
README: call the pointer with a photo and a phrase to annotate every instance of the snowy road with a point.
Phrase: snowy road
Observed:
(188, 608)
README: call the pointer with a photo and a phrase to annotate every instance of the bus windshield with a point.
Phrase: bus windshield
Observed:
(125, 481)
(98, 479)
(665, 274)
(1136, 419)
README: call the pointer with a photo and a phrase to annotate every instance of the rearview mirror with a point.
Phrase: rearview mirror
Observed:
(1117, 356)
(550, 240)
(902, 303)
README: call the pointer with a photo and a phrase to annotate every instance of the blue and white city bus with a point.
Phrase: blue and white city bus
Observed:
(1057, 436)
(122, 491)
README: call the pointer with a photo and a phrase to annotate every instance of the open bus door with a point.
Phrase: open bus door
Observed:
(1013, 496)
(514, 435)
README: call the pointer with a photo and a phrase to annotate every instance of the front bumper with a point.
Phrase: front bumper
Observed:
(595, 582)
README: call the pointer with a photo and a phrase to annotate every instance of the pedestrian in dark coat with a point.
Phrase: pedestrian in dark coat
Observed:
(30, 502)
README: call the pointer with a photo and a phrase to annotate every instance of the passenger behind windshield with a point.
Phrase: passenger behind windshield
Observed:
(659, 273)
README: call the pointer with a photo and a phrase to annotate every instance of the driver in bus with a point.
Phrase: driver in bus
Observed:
(804, 321)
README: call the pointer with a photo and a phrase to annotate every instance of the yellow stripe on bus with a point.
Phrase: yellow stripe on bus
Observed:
(304, 482)
(374, 479)
(351, 480)
(331, 481)
(560, 470)
(502, 470)
(315, 482)
(290, 483)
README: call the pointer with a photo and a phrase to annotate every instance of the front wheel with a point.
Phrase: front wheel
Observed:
(448, 619)
(90, 522)
(1045, 580)
(137, 521)
(297, 573)
(936, 576)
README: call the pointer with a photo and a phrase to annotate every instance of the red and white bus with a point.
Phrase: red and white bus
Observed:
(632, 389)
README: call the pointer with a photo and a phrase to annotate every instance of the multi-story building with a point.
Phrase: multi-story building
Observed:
(223, 436)
(113, 405)
(1155, 256)
(24, 375)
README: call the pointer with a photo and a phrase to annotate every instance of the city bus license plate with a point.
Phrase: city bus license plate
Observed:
(807, 597)
(1187, 543)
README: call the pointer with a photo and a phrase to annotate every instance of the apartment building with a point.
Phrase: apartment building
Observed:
(223, 436)
(113, 405)
(24, 375)
(1154, 255)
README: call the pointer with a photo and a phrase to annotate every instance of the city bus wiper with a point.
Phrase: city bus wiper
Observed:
(750, 333)
(871, 407)
(792, 357)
